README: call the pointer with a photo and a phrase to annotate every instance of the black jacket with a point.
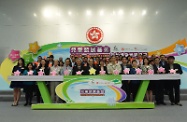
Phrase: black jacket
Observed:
(156, 69)
(122, 68)
(163, 63)
(175, 66)
(82, 68)
(98, 69)
(46, 70)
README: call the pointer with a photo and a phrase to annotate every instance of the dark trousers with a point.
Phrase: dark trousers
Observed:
(174, 87)
(38, 95)
(126, 88)
(29, 93)
(166, 86)
(159, 91)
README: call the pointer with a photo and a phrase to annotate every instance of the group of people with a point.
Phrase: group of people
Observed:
(107, 64)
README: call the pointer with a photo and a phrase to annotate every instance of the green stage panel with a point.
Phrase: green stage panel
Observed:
(125, 105)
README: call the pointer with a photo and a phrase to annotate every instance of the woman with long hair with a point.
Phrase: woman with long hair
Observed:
(101, 67)
(29, 85)
(17, 85)
(145, 67)
(43, 67)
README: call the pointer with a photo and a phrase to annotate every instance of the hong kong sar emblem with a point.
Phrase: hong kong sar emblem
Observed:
(94, 35)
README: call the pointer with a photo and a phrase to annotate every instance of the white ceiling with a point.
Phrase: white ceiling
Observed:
(17, 22)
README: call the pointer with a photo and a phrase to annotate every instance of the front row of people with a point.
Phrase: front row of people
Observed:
(130, 87)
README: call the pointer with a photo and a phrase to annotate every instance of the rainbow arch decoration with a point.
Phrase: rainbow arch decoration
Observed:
(62, 49)
(91, 89)
(176, 49)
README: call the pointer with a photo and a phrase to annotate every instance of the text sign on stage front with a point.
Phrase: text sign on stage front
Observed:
(91, 89)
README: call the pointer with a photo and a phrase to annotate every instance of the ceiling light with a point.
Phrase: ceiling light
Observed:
(88, 12)
(144, 12)
(120, 12)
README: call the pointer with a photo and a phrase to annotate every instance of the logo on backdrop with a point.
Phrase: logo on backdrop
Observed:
(94, 35)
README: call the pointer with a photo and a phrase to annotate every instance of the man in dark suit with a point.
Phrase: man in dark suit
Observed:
(174, 84)
(125, 83)
(163, 63)
(159, 84)
(79, 67)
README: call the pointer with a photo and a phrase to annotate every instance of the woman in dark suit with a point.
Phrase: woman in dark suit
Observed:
(17, 85)
(43, 67)
(101, 67)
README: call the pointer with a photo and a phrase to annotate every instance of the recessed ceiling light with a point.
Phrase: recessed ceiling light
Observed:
(69, 13)
(88, 12)
(144, 12)
(120, 12)
(35, 15)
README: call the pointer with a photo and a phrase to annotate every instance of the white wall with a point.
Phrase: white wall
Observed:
(18, 26)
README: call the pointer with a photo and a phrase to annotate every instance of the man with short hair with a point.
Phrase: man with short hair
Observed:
(163, 61)
(174, 84)
(51, 61)
(113, 66)
(159, 84)
(125, 83)
(57, 69)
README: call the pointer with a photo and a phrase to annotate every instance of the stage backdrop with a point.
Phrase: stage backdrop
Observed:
(65, 49)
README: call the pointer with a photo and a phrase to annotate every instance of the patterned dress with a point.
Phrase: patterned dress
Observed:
(145, 69)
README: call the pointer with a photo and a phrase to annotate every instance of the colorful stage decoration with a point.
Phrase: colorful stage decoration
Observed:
(67, 72)
(30, 73)
(93, 92)
(14, 55)
(40, 73)
(17, 73)
(150, 72)
(53, 73)
(177, 49)
(102, 72)
(79, 72)
(172, 71)
(161, 70)
(34, 47)
(50, 53)
(28, 58)
(138, 71)
(90, 50)
(92, 71)
(126, 71)
(65, 49)
(91, 89)
(116, 72)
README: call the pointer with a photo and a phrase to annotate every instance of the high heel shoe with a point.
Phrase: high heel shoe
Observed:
(13, 104)
(16, 104)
